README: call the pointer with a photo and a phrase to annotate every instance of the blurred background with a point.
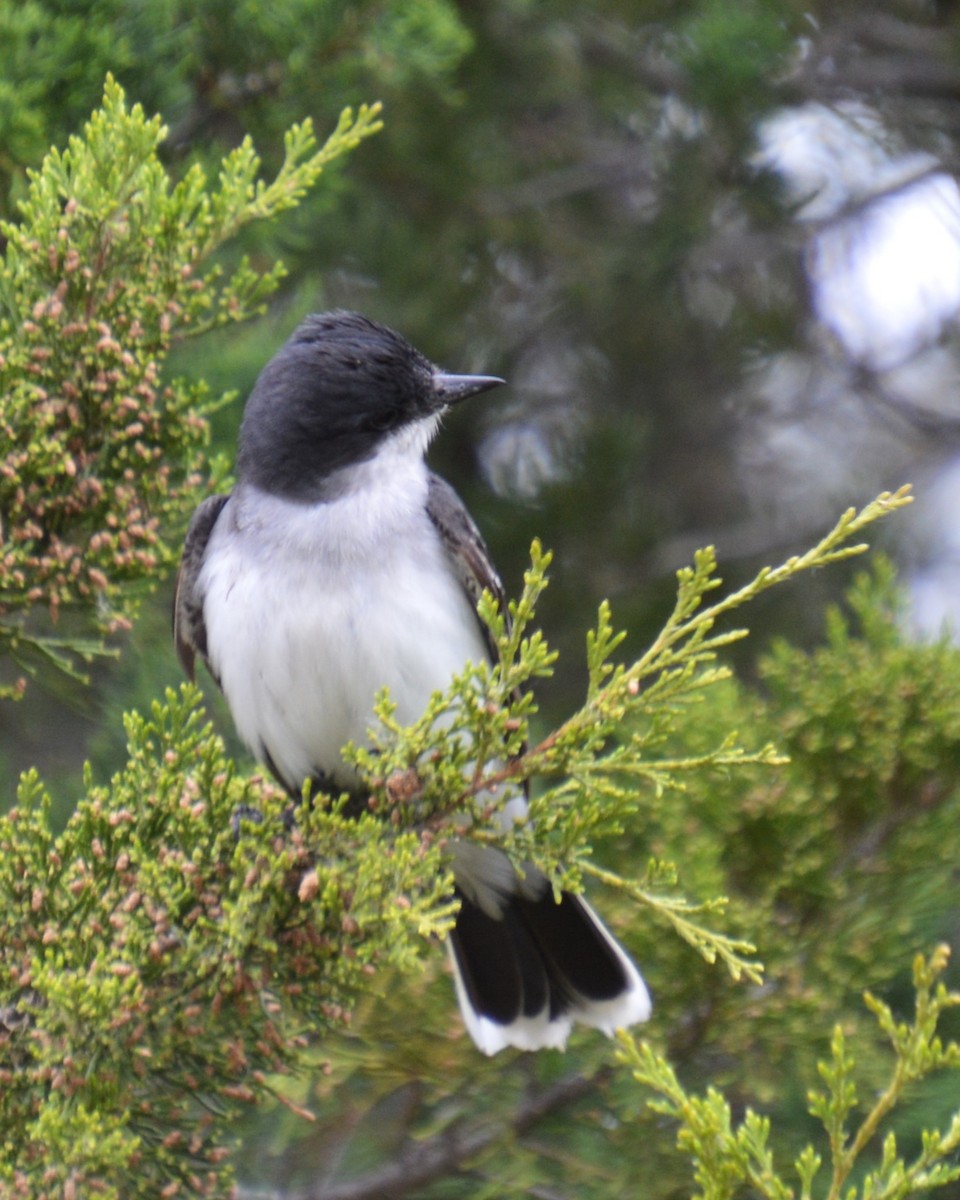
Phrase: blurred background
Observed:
(713, 246)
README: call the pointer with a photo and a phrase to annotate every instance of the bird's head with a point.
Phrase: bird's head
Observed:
(333, 396)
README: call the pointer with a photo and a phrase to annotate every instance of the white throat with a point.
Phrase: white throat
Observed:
(371, 504)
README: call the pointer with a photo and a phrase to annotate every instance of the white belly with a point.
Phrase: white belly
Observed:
(302, 641)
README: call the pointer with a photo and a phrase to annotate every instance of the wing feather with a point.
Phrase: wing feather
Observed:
(189, 628)
(467, 550)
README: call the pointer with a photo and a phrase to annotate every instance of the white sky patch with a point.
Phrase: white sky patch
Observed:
(884, 270)
(886, 282)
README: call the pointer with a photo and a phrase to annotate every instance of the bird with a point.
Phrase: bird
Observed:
(340, 564)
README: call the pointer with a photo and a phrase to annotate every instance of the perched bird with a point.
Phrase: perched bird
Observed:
(340, 564)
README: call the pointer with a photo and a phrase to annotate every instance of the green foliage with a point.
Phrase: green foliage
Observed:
(871, 715)
(52, 48)
(602, 765)
(731, 53)
(836, 865)
(215, 69)
(109, 265)
(182, 941)
(727, 1159)
(158, 966)
(878, 820)
(417, 37)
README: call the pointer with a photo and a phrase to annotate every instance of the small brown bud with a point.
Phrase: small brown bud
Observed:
(309, 886)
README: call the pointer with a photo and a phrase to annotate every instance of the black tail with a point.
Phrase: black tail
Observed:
(526, 975)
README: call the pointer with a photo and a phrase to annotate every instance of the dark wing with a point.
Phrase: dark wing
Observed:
(466, 547)
(189, 630)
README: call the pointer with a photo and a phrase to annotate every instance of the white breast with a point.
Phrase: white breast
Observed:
(311, 610)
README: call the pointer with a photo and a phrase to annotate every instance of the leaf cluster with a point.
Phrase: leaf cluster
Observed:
(176, 947)
(606, 766)
(110, 264)
(730, 1159)
(843, 858)
(216, 70)
(187, 935)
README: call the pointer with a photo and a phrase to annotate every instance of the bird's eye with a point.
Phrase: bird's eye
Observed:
(380, 422)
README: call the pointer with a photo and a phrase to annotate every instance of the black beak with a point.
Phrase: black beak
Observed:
(451, 389)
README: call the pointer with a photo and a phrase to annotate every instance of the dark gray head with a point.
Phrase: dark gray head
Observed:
(330, 397)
